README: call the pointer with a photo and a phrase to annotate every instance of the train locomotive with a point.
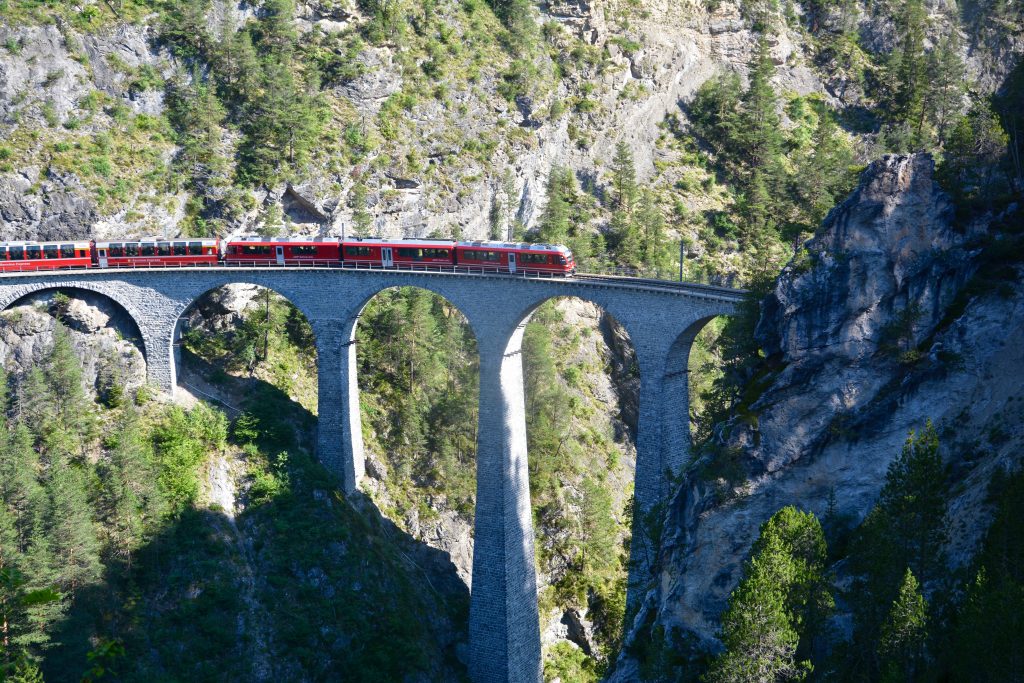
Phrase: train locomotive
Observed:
(366, 252)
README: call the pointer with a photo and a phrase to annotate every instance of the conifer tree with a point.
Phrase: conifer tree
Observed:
(901, 647)
(976, 146)
(907, 71)
(358, 198)
(70, 527)
(624, 178)
(946, 83)
(554, 221)
(780, 600)
(906, 530)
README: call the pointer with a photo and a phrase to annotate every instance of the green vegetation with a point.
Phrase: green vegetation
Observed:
(782, 599)
(913, 618)
(419, 379)
(114, 557)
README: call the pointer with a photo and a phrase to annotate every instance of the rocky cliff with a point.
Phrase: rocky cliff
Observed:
(89, 148)
(868, 333)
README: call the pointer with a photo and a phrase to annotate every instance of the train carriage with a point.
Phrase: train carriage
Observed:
(515, 257)
(31, 255)
(156, 253)
(282, 251)
(404, 253)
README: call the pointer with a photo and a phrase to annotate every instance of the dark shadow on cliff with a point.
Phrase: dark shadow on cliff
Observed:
(301, 584)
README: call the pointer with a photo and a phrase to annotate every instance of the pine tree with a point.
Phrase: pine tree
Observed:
(907, 71)
(901, 648)
(554, 221)
(272, 224)
(653, 255)
(624, 178)
(989, 625)
(759, 129)
(914, 501)
(358, 198)
(823, 173)
(946, 79)
(70, 528)
(974, 150)
(907, 529)
(780, 601)
(131, 501)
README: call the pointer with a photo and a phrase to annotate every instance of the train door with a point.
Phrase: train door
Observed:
(101, 257)
(279, 252)
(385, 254)
(511, 262)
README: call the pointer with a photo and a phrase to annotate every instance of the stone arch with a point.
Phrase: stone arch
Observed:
(189, 304)
(609, 450)
(102, 289)
(676, 433)
(350, 331)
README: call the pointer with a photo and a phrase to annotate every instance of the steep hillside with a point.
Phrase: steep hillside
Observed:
(456, 118)
(893, 315)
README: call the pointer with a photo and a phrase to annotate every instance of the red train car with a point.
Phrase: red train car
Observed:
(406, 253)
(282, 251)
(156, 252)
(516, 257)
(28, 255)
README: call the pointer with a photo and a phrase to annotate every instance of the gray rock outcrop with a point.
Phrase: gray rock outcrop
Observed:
(861, 348)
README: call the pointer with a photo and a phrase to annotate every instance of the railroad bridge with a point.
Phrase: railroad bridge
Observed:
(661, 318)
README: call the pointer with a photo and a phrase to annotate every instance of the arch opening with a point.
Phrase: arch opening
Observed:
(250, 349)
(109, 342)
(418, 384)
(700, 374)
(581, 387)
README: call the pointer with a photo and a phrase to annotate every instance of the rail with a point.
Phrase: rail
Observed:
(405, 267)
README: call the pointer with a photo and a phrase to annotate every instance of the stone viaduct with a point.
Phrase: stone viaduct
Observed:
(662, 321)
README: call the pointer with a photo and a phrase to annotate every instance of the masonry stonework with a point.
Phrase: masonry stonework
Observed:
(661, 321)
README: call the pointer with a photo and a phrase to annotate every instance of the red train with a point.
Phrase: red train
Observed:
(370, 252)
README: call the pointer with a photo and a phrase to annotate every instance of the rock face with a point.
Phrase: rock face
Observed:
(104, 338)
(643, 65)
(869, 288)
(861, 349)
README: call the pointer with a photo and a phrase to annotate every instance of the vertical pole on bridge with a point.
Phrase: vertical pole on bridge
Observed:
(504, 628)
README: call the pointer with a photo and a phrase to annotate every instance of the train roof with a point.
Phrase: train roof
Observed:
(34, 243)
(522, 246)
(129, 240)
(284, 240)
(398, 240)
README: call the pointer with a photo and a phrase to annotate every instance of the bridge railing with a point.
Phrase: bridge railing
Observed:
(607, 273)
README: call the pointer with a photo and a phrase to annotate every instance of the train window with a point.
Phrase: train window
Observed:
(435, 253)
(195, 248)
(255, 250)
(482, 255)
(32, 252)
(533, 258)
(3, 253)
(115, 249)
(357, 251)
(163, 248)
(50, 251)
(415, 254)
(180, 249)
(147, 249)
(17, 253)
(131, 249)
(307, 250)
